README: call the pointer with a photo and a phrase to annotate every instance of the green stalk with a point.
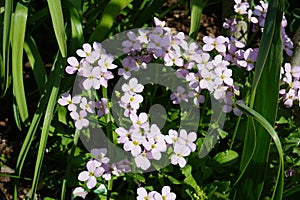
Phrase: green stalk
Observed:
(264, 100)
(69, 165)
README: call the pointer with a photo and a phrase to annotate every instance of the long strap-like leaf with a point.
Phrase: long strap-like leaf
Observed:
(264, 100)
(17, 42)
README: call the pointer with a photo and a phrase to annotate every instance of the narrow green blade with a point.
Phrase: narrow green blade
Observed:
(4, 65)
(264, 100)
(17, 40)
(109, 14)
(196, 12)
(58, 25)
(52, 102)
(36, 62)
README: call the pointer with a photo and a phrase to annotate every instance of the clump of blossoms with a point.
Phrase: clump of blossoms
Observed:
(246, 58)
(165, 194)
(193, 64)
(99, 169)
(145, 141)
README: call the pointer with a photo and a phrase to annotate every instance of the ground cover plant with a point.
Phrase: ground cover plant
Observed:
(130, 107)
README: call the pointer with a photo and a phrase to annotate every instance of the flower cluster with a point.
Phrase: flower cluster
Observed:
(191, 63)
(79, 108)
(165, 194)
(100, 167)
(290, 76)
(246, 58)
(144, 140)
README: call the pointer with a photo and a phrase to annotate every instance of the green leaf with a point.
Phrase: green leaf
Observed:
(36, 62)
(77, 38)
(17, 40)
(4, 60)
(52, 102)
(196, 12)
(107, 19)
(272, 133)
(58, 25)
(223, 158)
(189, 179)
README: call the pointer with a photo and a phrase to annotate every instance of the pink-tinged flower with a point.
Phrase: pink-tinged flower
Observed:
(88, 54)
(166, 193)
(98, 47)
(230, 24)
(155, 148)
(101, 106)
(198, 98)
(203, 61)
(261, 12)
(159, 45)
(132, 87)
(179, 96)
(218, 62)
(289, 98)
(107, 62)
(230, 106)
(172, 138)
(92, 78)
(180, 151)
(142, 161)
(187, 139)
(236, 42)
(220, 92)
(123, 135)
(143, 38)
(159, 23)
(176, 41)
(73, 65)
(133, 145)
(100, 155)
(88, 106)
(139, 121)
(223, 76)
(194, 80)
(287, 44)
(129, 64)
(94, 170)
(191, 51)
(250, 56)
(133, 100)
(133, 44)
(241, 7)
(143, 194)
(172, 58)
(215, 43)
(80, 120)
(252, 19)
(66, 99)
(207, 81)
(79, 192)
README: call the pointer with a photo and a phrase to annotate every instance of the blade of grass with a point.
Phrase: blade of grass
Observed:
(17, 41)
(278, 191)
(264, 99)
(196, 12)
(147, 12)
(57, 17)
(107, 19)
(76, 28)
(52, 102)
(4, 70)
(36, 62)
(41, 107)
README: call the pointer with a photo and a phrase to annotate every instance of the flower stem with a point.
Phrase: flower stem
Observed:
(69, 164)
